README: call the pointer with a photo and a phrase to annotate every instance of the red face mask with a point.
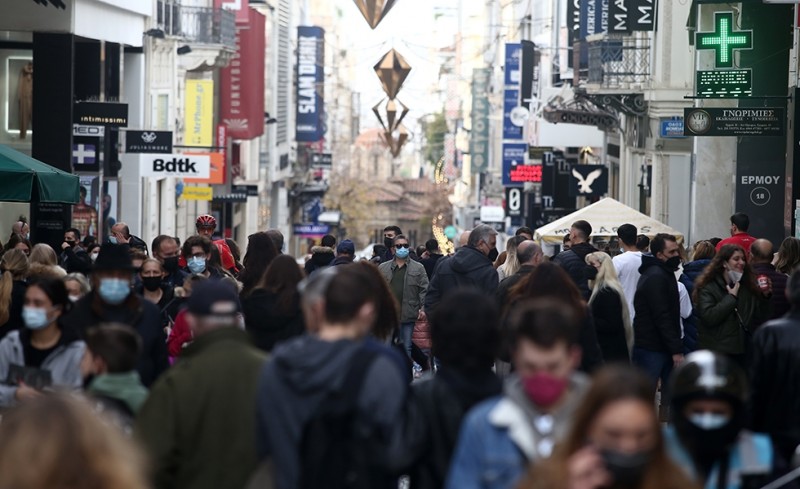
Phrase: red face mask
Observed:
(544, 389)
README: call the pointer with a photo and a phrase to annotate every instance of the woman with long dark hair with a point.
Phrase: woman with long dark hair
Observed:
(272, 310)
(729, 302)
(260, 253)
(615, 441)
(549, 280)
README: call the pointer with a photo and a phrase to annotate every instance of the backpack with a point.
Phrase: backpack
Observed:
(332, 454)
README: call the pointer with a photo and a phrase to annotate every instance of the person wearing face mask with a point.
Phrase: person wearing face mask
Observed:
(657, 320)
(500, 437)
(471, 267)
(77, 286)
(46, 353)
(573, 260)
(198, 255)
(708, 440)
(729, 303)
(615, 441)
(153, 289)
(409, 284)
(389, 233)
(112, 300)
(74, 258)
(166, 250)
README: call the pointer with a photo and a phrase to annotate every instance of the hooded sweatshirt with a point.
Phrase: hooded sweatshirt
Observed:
(124, 387)
(467, 268)
(321, 257)
(302, 372)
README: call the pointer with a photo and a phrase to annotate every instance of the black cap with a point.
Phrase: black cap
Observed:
(114, 257)
(214, 298)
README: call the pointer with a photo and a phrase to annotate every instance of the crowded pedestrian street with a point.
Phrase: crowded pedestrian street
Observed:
(399, 244)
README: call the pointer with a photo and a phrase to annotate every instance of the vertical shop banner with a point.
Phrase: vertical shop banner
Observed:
(479, 137)
(642, 15)
(529, 66)
(199, 113)
(513, 64)
(310, 80)
(510, 102)
(242, 82)
(618, 15)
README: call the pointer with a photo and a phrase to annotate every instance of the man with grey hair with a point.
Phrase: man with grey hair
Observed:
(530, 255)
(471, 267)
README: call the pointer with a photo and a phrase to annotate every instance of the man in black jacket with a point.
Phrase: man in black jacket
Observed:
(471, 267)
(774, 367)
(74, 258)
(432, 247)
(573, 260)
(657, 325)
(530, 255)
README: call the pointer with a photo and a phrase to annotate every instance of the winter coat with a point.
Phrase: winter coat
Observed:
(430, 263)
(443, 401)
(508, 283)
(64, 363)
(180, 336)
(657, 325)
(136, 312)
(608, 322)
(691, 272)
(268, 326)
(719, 329)
(414, 288)
(76, 260)
(321, 257)
(468, 268)
(573, 261)
(198, 425)
(779, 304)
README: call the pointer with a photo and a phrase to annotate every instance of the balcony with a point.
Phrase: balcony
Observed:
(617, 62)
(197, 25)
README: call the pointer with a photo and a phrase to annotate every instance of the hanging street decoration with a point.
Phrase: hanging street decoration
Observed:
(394, 113)
(374, 10)
(392, 71)
(395, 143)
(724, 40)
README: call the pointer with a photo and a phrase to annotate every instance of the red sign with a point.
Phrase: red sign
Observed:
(240, 7)
(242, 82)
(526, 173)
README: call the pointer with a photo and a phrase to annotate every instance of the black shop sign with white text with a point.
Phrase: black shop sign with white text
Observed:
(148, 141)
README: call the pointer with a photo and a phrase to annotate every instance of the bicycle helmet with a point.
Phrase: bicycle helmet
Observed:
(206, 221)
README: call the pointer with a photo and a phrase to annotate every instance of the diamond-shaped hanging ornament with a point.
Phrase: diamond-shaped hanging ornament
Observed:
(395, 113)
(396, 142)
(377, 111)
(392, 71)
(374, 10)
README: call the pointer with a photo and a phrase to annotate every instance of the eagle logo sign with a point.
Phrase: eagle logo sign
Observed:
(585, 184)
(149, 137)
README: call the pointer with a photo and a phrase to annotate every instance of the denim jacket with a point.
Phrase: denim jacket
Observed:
(497, 439)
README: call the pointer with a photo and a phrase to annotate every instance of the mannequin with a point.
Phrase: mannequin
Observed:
(25, 96)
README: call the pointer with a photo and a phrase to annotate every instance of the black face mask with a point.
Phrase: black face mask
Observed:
(493, 254)
(388, 242)
(171, 264)
(708, 445)
(590, 272)
(151, 283)
(626, 469)
(674, 263)
(72, 243)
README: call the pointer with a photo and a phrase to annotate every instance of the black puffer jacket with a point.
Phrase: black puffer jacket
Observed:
(774, 376)
(657, 325)
(573, 261)
(321, 257)
(468, 268)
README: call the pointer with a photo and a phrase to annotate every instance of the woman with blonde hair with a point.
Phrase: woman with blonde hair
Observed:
(80, 450)
(615, 441)
(609, 308)
(44, 254)
(14, 269)
(511, 265)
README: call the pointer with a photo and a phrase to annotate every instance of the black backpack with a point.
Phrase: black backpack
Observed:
(332, 454)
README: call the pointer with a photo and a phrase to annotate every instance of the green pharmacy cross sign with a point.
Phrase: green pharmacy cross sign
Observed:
(724, 40)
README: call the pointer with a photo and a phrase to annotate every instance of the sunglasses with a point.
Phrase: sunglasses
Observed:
(401, 245)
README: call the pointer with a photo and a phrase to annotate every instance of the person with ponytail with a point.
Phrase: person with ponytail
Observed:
(13, 272)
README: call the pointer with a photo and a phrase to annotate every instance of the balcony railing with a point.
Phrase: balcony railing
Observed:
(618, 62)
(200, 25)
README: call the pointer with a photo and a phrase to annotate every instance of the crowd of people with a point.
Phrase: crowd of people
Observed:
(187, 365)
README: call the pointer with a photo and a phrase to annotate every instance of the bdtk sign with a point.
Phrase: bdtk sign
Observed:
(176, 165)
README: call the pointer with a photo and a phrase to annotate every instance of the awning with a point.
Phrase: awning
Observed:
(605, 216)
(19, 172)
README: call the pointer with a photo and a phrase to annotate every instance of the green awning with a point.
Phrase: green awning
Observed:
(19, 172)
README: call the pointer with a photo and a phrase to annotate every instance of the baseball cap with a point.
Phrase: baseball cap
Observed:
(347, 247)
(214, 298)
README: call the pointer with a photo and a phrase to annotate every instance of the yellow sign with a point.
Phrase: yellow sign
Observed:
(199, 119)
(197, 193)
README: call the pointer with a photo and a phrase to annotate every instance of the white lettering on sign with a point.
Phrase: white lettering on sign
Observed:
(176, 165)
(621, 17)
(646, 11)
(760, 180)
(307, 75)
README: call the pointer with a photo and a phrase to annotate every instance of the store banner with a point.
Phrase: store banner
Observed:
(513, 64)
(216, 173)
(618, 15)
(479, 135)
(241, 88)
(510, 102)
(174, 165)
(642, 15)
(198, 193)
(310, 83)
(199, 113)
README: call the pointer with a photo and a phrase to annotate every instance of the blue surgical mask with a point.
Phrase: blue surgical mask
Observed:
(197, 265)
(114, 291)
(35, 317)
(709, 421)
(402, 253)
(112, 239)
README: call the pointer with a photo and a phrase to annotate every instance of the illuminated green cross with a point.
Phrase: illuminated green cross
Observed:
(723, 40)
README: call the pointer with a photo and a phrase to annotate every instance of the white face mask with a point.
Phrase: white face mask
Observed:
(709, 421)
(735, 276)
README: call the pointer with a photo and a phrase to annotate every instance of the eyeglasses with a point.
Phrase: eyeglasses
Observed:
(401, 245)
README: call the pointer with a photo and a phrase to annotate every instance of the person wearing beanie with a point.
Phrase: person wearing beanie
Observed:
(345, 253)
